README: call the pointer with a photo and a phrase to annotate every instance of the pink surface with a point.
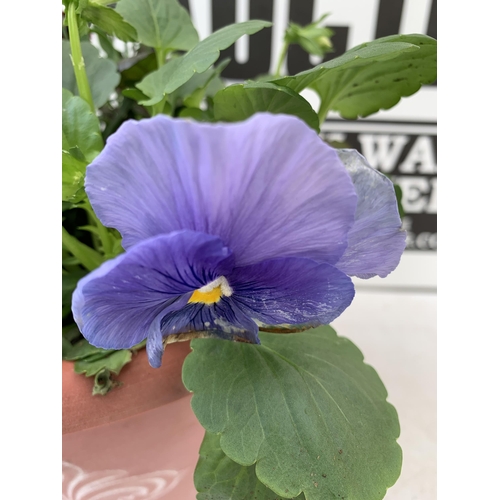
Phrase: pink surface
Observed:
(148, 456)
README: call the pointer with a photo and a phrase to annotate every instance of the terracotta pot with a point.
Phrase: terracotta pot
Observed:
(140, 441)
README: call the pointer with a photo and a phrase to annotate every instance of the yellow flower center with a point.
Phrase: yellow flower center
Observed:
(213, 292)
(208, 298)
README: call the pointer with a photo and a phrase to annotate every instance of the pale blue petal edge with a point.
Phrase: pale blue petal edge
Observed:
(376, 241)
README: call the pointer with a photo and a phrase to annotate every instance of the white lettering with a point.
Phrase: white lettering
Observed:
(432, 207)
(416, 193)
(421, 158)
(382, 150)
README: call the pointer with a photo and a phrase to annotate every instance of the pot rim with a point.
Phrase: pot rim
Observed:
(142, 388)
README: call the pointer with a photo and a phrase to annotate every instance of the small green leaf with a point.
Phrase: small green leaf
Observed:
(312, 38)
(178, 71)
(113, 361)
(303, 407)
(80, 5)
(74, 151)
(193, 91)
(103, 383)
(69, 282)
(134, 94)
(80, 128)
(82, 350)
(154, 83)
(103, 2)
(135, 68)
(371, 76)
(66, 347)
(102, 73)
(162, 24)
(218, 477)
(73, 176)
(399, 198)
(197, 114)
(239, 102)
(110, 21)
(71, 332)
(88, 257)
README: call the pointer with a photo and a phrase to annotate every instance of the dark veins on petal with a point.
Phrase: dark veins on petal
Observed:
(224, 316)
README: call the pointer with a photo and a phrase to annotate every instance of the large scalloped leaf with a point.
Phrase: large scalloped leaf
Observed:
(217, 477)
(303, 407)
(102, 73)
(162, 24)
(80, 126)
(179, 70)
(109, 20)
(239, 102)
(371, 76)
(81, 142)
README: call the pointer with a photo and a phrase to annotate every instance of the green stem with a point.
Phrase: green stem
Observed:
(77, 57)
(88, 257)
(161, 55)
(159, 107)
(323, 112)
(281, 59)
(104, 236)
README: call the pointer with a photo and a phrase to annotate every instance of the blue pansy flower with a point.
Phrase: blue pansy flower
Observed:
(230, 226)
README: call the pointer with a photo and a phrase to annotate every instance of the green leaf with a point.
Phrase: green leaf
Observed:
(239, 102)
(135, 68)
(69, 282)
(399, 198)
(197, 114)
(88, 257)
(104, 2)
(312, 38)
(93, 361)
(303, 407)
(69, 334)
(73, 176)
(153, 84)
(102, 74)
(218, 477)
(80, 127)
(110, 21)
(82, 350)
(113, 361)
(134, 94)
(178, 71)
(103, 383)
(193, 91)
(371, 76)
(162, 24)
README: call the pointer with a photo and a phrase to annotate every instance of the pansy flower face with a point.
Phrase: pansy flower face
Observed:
(230, 226)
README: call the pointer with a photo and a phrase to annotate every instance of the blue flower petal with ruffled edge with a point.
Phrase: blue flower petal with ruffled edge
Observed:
(292, 291)
(230, 225)
(185, 282)
(268, 187)
(115, 305)
(376, 241)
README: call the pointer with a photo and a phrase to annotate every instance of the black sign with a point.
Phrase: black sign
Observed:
(406, 153)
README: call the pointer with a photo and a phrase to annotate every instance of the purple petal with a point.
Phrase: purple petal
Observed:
(268, 187)
(118, 305)
(376, 242)
(291, 291)
(225, 318)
